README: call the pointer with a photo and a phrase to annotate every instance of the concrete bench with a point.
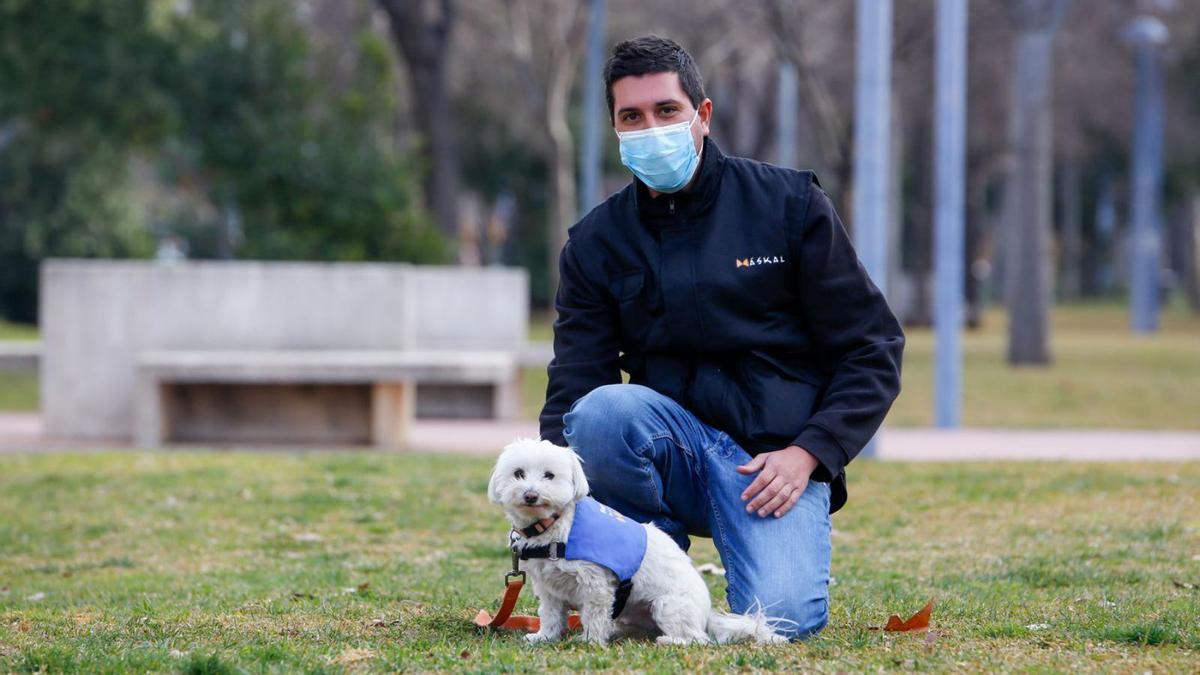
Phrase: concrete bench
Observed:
(340, 397)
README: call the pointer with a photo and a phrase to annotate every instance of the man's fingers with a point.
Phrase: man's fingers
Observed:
(761, 481)
(778, 501)
(754, 464)
(791, 501)
(767, 494)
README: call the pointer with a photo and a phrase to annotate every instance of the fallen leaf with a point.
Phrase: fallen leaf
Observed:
(36, 597)
(918, 621)
(362, 588)
(1184, 585)
(383, 623)
(464, 654)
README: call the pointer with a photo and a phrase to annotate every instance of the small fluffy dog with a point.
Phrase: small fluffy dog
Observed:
(539, 482)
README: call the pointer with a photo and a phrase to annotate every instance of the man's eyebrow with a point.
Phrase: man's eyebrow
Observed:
(657, 104)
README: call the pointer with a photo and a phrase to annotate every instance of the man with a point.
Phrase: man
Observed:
(761, 357)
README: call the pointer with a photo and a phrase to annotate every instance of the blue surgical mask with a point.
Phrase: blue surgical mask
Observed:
(664, 158)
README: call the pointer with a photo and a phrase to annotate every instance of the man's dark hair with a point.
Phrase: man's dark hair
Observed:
(652, 54)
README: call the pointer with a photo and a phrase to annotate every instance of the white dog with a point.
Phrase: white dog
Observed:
(542, 488)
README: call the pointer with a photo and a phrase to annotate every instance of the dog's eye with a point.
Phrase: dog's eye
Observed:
(519, 473)
(549, 476)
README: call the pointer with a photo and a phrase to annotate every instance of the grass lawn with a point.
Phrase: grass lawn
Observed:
(1103, 376)
(18, 390)
(17, 331)
(225, 562)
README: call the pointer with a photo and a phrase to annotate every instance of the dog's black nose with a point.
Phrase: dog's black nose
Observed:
(531, 497)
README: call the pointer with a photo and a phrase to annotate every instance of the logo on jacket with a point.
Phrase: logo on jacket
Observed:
(761, 260)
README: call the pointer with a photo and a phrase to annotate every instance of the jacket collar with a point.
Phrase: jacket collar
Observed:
(672, 209)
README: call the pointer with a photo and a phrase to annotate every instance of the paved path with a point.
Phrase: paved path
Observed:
(22, 432)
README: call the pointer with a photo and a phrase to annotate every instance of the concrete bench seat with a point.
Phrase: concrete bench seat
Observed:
(306, 395)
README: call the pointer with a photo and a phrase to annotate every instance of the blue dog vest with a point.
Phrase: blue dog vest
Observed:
(601, 535)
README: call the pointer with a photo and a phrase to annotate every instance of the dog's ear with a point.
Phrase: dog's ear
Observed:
(494, 485)
(578, 478)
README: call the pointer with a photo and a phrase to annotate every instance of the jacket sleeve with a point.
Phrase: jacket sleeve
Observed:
(586, 344)
(853, 330)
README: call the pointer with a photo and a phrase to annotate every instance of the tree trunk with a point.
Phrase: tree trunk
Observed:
(1071, 239)
(421, 32)
(1027, 196)
(560, 162)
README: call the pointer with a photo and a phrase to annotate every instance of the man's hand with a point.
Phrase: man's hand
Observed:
(783, 479)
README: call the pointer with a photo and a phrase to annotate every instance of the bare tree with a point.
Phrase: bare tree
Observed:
(421, 32)
(1027, 195)
(547, 41)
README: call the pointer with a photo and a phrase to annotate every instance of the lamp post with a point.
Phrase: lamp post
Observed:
(950, 108)
(872, 128)
(1147, 34)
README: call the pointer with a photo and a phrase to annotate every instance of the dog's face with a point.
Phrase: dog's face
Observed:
(534, 479)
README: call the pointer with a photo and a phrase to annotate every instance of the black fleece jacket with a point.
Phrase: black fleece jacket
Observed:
(743, 300)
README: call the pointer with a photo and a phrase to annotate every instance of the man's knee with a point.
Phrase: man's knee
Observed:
(601, 419)
(793, 616)
(804, 618)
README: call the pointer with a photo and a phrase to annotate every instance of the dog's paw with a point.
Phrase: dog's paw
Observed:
(770, 638)
(535, 638)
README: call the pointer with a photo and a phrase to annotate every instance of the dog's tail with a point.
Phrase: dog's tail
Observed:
(753, 625)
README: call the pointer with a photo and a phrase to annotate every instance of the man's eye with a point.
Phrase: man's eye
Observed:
(519, 473)
(549, 476)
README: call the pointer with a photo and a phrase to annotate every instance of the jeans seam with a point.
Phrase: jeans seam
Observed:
(648, 466)
(731, 575)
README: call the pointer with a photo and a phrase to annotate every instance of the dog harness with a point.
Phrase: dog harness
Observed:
(600, 535)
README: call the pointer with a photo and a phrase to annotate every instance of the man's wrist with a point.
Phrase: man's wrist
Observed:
(809, 458)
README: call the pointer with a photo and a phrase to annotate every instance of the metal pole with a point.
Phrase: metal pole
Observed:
(950, 107)
(872, 111)
(785, 114)
(589, 158)
(1147, 34)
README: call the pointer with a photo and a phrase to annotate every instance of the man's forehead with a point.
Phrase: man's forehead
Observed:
(647, 91)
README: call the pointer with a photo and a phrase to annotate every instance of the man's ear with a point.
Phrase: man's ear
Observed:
(577, 476)
(494, 485)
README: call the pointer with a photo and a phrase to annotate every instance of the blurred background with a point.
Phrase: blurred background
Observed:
(460, 133)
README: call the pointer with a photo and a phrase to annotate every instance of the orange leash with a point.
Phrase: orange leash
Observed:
(504, 619)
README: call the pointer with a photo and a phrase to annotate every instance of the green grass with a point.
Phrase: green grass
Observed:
(18, 390)
(1102, 376)
(17, 331)
(239, 562)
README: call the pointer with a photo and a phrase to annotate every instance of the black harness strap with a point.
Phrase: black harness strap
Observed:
(623, 590)
(552, 551)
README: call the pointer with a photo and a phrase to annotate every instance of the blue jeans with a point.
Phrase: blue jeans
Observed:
(649, 458)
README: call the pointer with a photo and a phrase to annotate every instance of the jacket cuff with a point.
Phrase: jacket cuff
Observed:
(822, 445)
